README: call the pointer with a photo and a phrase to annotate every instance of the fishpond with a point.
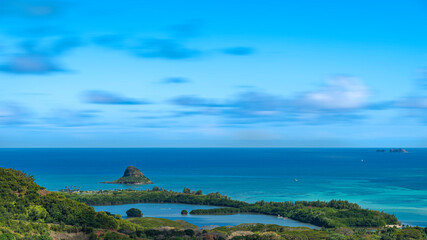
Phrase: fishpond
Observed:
(173, 212)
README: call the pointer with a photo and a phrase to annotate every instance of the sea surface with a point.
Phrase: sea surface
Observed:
(392, 182)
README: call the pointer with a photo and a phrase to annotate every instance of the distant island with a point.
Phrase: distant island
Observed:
(132, 175)
(399, 150)
(394, 150)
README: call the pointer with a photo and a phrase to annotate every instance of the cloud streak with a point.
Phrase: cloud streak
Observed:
(175, 80)
(341, 99)
(340, 93)
(72, 118)
(103, 97)
(30, 64)
(30, 8)
(12, 114)
(165, 48)
(239, 51)
(39, 57)
(173, 47)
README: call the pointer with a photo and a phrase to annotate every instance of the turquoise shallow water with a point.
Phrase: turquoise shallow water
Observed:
(392, 182)
(173, 212)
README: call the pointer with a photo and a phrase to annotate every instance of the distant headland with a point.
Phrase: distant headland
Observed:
(132, 175)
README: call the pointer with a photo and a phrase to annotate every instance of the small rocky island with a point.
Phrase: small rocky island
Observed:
(132, 175)
(398, 150)
(394, 150)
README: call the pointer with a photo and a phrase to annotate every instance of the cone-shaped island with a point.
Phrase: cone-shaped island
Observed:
(132, 175)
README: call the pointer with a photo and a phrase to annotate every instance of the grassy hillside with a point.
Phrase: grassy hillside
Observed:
(148, 222)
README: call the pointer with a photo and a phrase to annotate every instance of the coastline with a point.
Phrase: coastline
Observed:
(345, 177)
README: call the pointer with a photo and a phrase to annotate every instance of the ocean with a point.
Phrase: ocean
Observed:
(392, 182)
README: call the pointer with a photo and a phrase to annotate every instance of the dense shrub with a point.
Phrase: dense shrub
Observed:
(134, 212)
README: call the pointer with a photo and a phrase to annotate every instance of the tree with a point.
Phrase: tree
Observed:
(134, 212)
(186, 191)
(7, 236)
(184, 212)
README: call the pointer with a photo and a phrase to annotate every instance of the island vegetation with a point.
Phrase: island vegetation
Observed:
(133, 212)
(28, 211)
(133, 176)
(332, 214)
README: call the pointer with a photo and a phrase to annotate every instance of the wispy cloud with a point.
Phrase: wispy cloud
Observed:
(340, 93)
(414, 107)
(30, 8)
(39, 56)
(35, 45)
(194, 101)
(63, 45)
(186, 30)
(103, 97)
(175, 80)
(30, 64)
(165, 48)
(423, 78)
(341, 99)
(174, 46)
(238, 51)
(13, 114)
(72, 118)
(114, 41)
(413, 103)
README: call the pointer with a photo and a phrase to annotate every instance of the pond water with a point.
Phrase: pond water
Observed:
(173, 212)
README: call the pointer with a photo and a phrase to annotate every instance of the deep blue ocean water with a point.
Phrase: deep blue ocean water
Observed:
(392, 182)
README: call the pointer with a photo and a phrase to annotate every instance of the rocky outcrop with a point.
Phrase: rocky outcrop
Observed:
(399, 150)
(132, 175)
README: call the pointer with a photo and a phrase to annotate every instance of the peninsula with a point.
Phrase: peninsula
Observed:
(132, 175)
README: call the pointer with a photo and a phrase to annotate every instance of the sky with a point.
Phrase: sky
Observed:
(191, 73)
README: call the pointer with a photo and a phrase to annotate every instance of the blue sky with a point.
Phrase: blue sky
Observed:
(213, 73)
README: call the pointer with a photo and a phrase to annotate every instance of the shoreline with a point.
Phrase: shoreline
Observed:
(319, 213)
(171, 215)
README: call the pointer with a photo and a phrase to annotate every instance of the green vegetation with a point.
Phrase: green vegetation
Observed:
(134, 212)
(27, 211)
(148, 222)
(22, 199)
(132, 175)
(184, 212)
(132, 180)
(270, 231)
(332, 214)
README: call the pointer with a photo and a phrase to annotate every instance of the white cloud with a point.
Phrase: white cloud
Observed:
(340, 93)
